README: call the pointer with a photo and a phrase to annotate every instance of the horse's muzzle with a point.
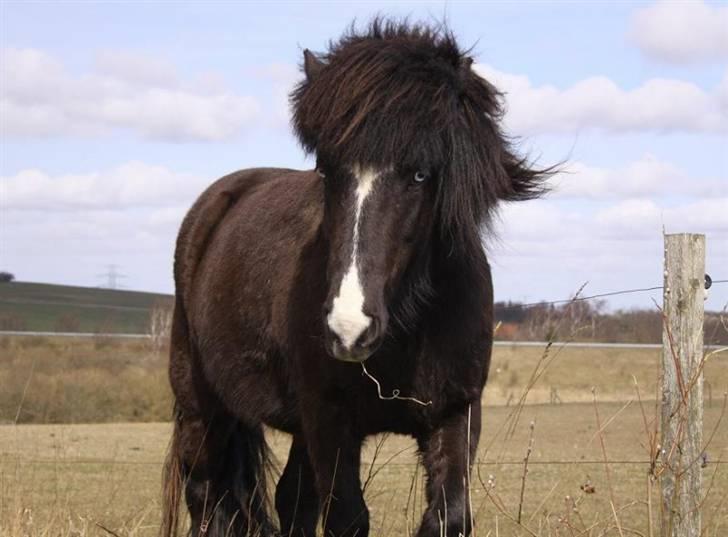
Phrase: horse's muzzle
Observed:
(365, 345)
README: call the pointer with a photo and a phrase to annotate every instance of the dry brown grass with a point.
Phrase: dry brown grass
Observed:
(60, 479)
(74, 380)
(83, 480)
(87, 381)
(576, 370)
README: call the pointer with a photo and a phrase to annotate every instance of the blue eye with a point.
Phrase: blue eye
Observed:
(421, 177)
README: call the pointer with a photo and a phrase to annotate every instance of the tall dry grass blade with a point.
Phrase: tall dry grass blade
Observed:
(328, 500)
(25, 391)
(529, 449)
(469, 488)
(606, 464)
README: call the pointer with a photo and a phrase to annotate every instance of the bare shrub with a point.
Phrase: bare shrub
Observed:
(160, 326)
(31, 342)
(68, 322)
(10, 321)
(102, 338)
(103, 341)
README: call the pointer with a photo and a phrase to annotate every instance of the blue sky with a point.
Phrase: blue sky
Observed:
(115, 115)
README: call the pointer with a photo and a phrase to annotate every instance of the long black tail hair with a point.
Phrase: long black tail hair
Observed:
(238, 498)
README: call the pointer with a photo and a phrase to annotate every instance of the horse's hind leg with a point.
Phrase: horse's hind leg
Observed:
(209, 499)
(217, 462)
(220, 463)
(297, 501)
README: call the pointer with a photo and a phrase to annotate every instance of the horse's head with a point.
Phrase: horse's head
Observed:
(410, 153)
(376, 219)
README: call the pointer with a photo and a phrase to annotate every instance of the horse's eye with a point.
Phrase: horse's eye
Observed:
(421, 177)
(320, 173)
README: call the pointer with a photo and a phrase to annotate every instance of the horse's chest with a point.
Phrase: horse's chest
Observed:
(404, 403)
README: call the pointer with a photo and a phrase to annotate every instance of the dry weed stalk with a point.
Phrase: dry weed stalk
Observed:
(372, 473)
(160, 327)
(467, 481)
(532, 427)
(546, 359)
(606, 463)
(499, 504)
(25, 391)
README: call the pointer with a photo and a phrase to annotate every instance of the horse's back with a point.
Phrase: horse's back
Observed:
(204, 216)
(237, 252)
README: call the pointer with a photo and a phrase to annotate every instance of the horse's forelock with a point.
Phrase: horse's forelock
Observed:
(405, 94)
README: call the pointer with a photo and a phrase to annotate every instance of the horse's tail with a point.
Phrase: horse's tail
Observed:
(172, 485)
(235, 493)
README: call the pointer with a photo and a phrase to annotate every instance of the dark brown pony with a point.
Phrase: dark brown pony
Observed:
(287, 281)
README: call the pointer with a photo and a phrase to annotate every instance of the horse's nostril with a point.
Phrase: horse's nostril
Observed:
(370, 335)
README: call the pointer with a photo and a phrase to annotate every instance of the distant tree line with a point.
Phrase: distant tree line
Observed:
(6, 277)
(590, 321)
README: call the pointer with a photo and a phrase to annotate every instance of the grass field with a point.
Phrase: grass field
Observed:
(69, 478)
(62, 308)
(69, 380)
(75, 477)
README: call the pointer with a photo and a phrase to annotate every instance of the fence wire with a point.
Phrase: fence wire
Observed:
(578, 298)
(367, 463)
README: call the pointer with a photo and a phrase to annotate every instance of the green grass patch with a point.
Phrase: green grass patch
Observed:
(61, 308)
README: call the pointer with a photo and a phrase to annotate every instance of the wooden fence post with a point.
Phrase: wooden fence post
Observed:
(682, 385)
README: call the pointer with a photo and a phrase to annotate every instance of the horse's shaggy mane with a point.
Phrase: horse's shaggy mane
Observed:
(404, 95)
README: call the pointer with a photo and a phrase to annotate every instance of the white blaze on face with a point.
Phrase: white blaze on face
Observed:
(347, 318)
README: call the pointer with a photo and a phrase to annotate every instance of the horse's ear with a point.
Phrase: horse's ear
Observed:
(311, 65)
(465, 64)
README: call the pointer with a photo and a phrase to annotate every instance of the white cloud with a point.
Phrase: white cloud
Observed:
(640, 219)
(67, 227)
(682, 31)
(535, 228)
(39, 97)
(136, 69)
(646, 177)
(74, 247)
(656, 105)
(134, 184)
(546, 249)
(283, 77)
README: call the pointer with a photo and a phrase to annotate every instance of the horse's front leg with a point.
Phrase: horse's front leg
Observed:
(334, 452)
(297, 499)
(447, 454)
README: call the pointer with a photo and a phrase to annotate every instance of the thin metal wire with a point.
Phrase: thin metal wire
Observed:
(600, 295)
(399, 464)
(516, 304)
(590, 297)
